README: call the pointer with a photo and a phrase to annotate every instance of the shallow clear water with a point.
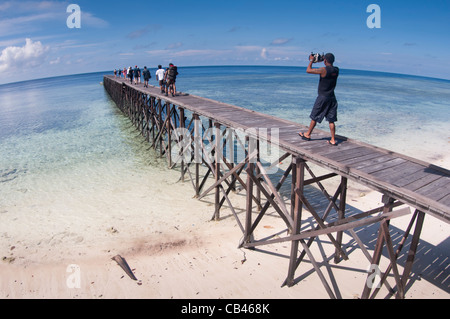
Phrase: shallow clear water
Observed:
(64, 134)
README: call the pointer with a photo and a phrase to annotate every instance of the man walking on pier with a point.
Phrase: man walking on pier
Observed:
(171, 79)
(147, 76)
(160, 77)
(130, 74)
(326, 103)
(137, 75)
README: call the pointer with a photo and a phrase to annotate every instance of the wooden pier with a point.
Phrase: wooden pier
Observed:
(192, 131)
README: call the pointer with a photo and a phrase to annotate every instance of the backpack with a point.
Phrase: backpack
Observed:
(172, 72)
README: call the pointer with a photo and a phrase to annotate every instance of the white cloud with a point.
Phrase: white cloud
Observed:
(88, 19)
(264, 53)
(30, 55)
(248, 48)
(56, 61)
(174, 46)
(280, 41)
(200, 53)
(22, 24)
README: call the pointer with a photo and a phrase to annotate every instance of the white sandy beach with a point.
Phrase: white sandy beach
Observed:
(175, 251)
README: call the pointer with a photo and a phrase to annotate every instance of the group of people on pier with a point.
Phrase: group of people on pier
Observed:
(166, 77)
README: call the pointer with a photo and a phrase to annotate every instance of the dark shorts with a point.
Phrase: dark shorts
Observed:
(161, 82)
(324, 107)
(170, 81)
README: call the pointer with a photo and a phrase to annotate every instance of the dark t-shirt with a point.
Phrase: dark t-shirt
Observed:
(328, 83)
(146, 74)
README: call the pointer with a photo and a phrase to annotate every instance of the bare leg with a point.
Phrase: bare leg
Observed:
(333, 132)
(312, 125)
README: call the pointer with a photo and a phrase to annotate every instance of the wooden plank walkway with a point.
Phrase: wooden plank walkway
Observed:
(419, 184)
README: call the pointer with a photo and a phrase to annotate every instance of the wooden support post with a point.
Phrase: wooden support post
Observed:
(298, 175)
(217, 170)
(122, 96)
(152, 115)
(182, 125)
(138, 111)
(341, 215)
(133, 108)
(231, 151)
(130, 104)
(249, 202)
(146, 132)
(412, 252)
(160, 126)
(388, 204)
(197, 151)
(258, 171)
(397, 253)
(385, 230)
(293, 186)
(169, 137)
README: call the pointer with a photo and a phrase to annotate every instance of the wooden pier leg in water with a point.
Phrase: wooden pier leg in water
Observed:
(160, 126)
(298, 169)
(140, 112)
(341, 215)
(122, 96)
(146, 131)
(152, 115)
(169, 137)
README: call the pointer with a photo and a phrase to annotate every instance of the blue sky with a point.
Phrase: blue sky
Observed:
(35, 41)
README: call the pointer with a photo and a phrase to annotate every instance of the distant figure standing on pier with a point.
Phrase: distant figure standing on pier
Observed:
(130, 74)
(171, 79)
(137, 74)
(115, 73)
(326, 104)
(146, 74)
(124, 73)
(160, 78)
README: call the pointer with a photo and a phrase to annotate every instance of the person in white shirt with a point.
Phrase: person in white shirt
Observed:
(160, 78)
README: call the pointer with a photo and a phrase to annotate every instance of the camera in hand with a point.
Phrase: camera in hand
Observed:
(318, 57)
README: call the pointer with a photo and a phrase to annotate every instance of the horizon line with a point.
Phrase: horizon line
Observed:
(228, 65)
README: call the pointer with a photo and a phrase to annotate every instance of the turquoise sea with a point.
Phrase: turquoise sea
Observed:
(65, 133)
